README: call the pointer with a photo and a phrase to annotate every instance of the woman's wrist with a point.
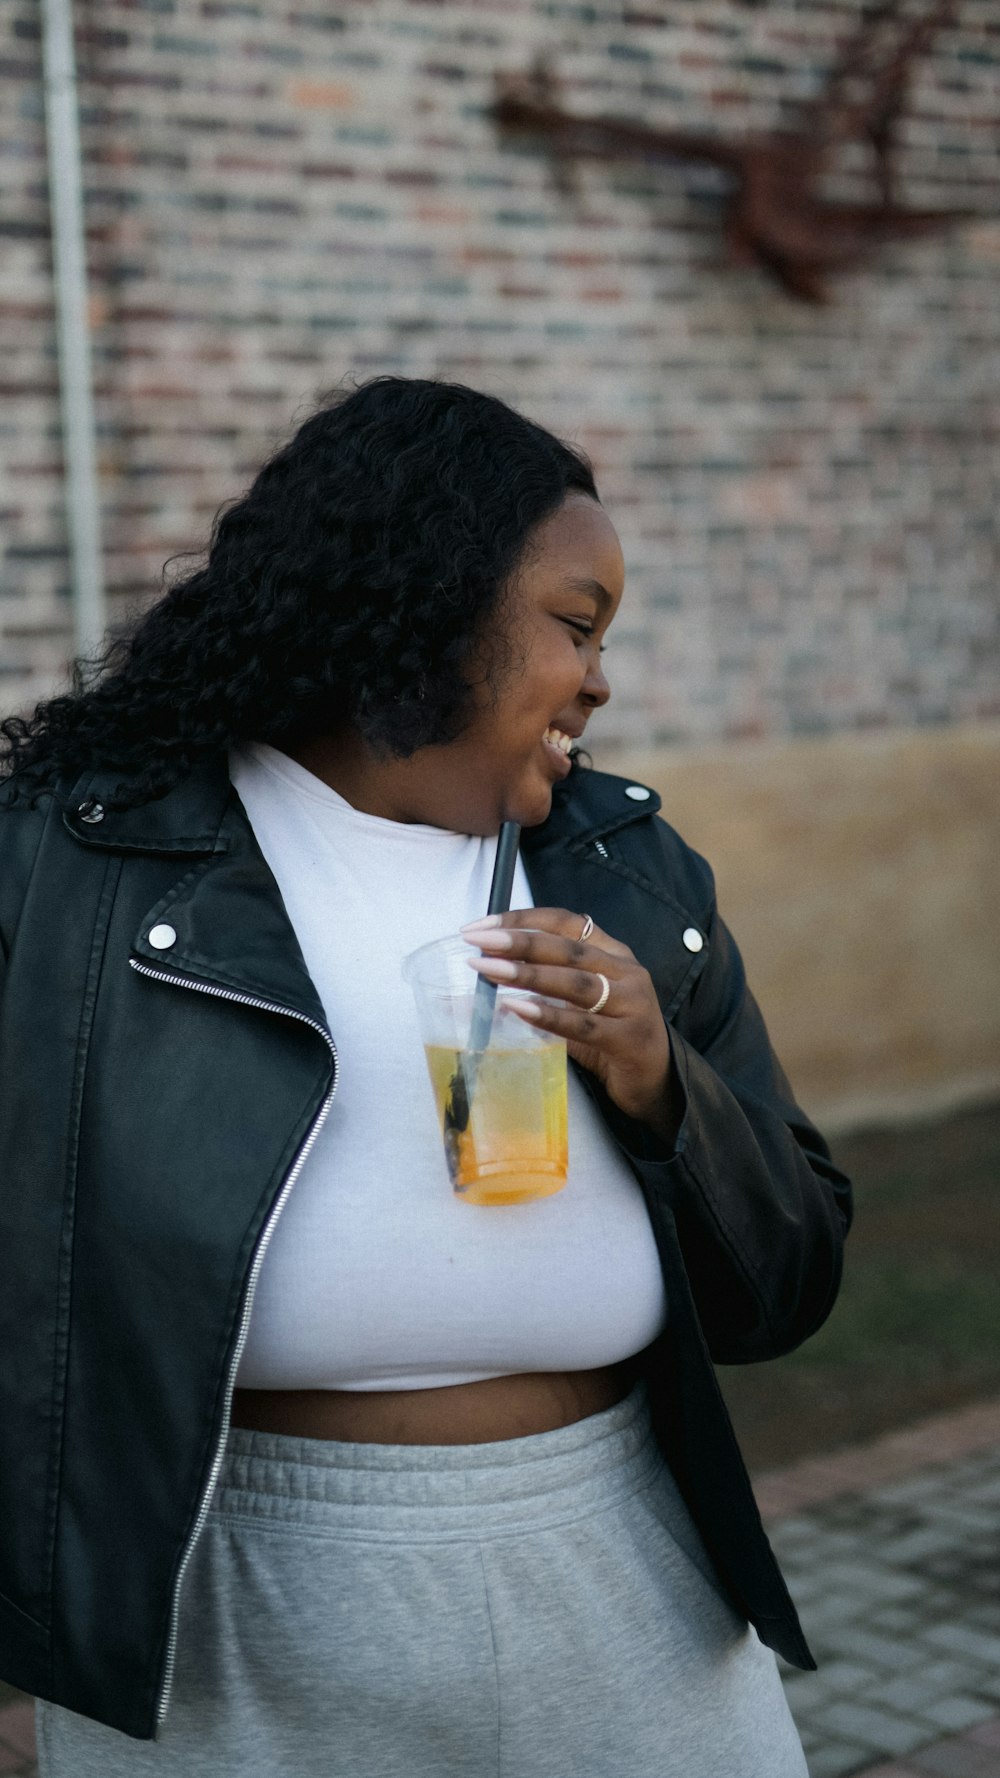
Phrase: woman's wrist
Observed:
(663, 1114)
(649, 1129)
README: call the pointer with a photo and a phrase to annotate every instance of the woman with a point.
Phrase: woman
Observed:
(308, 1467)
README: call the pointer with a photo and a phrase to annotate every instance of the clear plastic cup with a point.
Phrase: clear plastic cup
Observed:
(502, 1108)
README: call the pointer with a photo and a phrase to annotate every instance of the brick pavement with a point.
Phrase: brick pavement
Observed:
(892, 1552)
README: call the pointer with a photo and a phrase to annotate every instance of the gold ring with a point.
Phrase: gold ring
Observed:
(602, 1000)
(588, 927)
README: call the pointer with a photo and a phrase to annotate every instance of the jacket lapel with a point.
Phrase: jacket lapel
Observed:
(632, 898)
(624, 908)
(232, 931)
(230, 928)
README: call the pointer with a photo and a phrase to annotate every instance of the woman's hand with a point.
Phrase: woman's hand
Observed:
(625, 1044)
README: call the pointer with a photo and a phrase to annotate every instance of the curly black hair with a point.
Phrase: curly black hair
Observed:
(351, 582)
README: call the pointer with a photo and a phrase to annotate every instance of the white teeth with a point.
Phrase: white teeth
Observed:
(556, 738)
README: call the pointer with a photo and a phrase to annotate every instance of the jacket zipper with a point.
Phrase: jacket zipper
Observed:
(157, 975)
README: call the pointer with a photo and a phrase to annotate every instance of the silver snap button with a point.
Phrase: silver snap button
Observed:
(638, 793)
(692, 938)
(91, 811)
(162, 937)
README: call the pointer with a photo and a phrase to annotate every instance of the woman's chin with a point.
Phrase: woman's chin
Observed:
(531, 804)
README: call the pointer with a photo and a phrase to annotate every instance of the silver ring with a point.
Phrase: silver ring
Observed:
(588, 927)
(601, 1002)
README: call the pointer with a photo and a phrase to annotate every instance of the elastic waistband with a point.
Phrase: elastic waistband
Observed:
(440, 1490)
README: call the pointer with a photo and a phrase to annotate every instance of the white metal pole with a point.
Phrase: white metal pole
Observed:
(70, 277)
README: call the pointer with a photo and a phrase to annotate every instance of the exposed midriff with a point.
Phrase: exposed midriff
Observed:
(464, 1413)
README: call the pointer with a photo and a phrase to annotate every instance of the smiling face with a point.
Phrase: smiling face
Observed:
(566, 594)
(503, 765)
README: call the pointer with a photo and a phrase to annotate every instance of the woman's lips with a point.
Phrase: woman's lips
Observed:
(560, 761)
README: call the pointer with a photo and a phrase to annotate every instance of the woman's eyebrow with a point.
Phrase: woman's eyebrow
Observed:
(593, 587)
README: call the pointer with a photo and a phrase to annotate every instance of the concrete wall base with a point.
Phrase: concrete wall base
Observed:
(861, 876)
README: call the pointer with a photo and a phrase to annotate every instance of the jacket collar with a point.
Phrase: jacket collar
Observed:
(194, 816)
(590, 805)
(189, 819)
(229, 929)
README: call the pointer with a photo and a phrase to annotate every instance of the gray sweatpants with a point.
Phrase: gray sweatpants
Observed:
(537, 1608)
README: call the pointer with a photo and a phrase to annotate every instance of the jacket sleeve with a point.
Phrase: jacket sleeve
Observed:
(760, 1209)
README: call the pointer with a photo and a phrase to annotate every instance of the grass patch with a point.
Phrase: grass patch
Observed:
(900, 1317)
(916, 1328)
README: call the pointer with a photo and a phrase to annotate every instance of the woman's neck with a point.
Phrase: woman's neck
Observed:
(435, 787)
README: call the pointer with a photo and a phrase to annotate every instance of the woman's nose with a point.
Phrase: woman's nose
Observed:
(596, 689)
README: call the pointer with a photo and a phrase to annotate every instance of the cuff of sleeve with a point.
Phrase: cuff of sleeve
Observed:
(648, 1151)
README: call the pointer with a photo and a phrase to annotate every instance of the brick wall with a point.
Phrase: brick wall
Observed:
(280, 194)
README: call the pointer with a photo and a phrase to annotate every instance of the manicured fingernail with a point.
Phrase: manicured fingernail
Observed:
(528, 1009)
(494, 939)
(474, 925)
(495, 966)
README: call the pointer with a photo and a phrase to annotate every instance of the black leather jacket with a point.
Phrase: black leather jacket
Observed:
(155, 1107)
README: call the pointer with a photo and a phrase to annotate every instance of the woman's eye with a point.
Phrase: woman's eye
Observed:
(581, 629)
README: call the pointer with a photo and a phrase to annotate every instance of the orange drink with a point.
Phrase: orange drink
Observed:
(514, 1145)
(501, 1095)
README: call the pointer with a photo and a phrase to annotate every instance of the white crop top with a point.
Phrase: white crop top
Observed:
(377, 1276)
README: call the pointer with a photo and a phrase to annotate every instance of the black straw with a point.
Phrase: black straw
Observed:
(459, 1104)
